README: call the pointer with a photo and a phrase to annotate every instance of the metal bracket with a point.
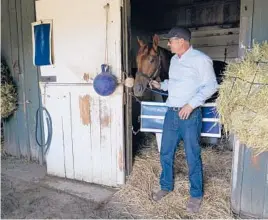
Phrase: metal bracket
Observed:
(124, 98)
(48, 79)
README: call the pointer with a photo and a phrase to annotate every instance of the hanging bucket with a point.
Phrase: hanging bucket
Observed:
(105, 83)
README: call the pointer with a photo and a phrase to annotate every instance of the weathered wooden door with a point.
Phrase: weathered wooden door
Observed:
(88, 130)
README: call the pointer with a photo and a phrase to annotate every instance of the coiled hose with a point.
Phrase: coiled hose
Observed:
(46, 145)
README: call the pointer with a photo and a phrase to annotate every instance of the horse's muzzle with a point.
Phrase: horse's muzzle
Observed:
(140, 85)
(138, 90)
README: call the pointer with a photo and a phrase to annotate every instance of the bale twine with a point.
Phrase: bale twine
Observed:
(9, 94)
(243, 98)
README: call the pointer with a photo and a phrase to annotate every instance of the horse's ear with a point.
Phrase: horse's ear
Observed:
(155, 41)
(141, 43)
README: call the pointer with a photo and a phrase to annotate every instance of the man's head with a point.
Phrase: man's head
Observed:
(178, 40)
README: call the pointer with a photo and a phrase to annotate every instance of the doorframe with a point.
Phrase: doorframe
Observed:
(126, 69)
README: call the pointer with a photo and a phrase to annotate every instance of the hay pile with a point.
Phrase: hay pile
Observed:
(243, 99)
(8, 93)
(145, 179)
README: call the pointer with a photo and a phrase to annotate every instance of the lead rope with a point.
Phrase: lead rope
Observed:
(106, 7)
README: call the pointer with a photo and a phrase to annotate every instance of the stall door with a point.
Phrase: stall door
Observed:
(87, 129)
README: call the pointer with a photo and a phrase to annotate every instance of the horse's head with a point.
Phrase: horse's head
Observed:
(148, 65)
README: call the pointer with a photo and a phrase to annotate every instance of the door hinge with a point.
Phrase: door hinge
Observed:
(124, 98)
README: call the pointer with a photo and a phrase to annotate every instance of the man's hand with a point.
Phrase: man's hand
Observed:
(185, 112)
(154, 84)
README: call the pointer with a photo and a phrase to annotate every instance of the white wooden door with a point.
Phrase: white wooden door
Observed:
(87, 140)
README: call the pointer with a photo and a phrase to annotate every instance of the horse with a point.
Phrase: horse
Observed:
(152, 64)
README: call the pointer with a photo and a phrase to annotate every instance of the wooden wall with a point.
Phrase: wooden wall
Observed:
(16, 49)
(162, 15)
(218, 43)
(214, 23)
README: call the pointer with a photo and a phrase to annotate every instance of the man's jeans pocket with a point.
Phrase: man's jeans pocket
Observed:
(171, 120)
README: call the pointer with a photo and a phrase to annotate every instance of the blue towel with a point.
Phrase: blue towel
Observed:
(42, 43)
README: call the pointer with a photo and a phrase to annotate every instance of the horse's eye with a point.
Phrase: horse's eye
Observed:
(151, 59)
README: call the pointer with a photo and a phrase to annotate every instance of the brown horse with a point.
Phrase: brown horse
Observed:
(152, 64)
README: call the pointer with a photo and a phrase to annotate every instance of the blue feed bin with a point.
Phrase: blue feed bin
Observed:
(105, 83)
(153, 115)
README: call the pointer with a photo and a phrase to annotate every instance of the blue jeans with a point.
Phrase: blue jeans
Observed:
(175, 130)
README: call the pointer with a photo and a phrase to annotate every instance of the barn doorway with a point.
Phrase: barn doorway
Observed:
(215, 31)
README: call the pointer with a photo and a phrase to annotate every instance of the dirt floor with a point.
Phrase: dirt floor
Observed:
(25, 197)
(24, 194)
(21, 199)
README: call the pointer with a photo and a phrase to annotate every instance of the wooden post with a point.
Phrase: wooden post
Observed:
(128, 99)
(246, 16)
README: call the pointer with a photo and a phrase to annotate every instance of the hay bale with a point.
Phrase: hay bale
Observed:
(145, 178)
(8, 100)
(9, 94)
(243, 98)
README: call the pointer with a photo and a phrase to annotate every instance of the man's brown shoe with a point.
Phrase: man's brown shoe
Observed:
(159, 195)
(193, 205)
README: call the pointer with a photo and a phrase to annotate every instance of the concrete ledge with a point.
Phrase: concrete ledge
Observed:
(83, 190)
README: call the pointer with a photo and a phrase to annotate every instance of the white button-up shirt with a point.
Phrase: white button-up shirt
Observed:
(191, 81)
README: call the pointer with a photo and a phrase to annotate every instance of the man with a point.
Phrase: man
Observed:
(191, 82)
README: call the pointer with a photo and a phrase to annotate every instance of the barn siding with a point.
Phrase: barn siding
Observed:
(11, 139)
(208, 13)
(19, 130)
(249, 197)
(260, 18)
